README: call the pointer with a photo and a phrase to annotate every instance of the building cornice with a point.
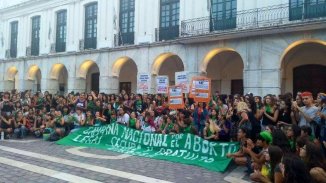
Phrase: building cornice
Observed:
(31, 6)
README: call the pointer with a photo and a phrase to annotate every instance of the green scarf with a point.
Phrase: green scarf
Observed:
(132, 123)
(268, 109)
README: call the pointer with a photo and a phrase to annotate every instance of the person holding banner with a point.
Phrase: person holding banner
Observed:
(133, 121)
(148, 124)
(211, 130)
(123, 117)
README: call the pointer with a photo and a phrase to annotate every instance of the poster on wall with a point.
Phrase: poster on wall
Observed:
(162, 84)
(181, 78)
(143, 83)
(175, 97)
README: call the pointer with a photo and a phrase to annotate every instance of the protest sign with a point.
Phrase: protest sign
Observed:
(143, 83)
(175, 97)
(162, 84)
(181, 79)
(202, 89)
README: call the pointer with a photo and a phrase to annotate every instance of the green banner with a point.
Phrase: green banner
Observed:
(181, 148)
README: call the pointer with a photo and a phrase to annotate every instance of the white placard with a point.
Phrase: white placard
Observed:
(182, 79)
(143, 83)
(175, 92)
(176, 101)
(202, 85)
(162, 84)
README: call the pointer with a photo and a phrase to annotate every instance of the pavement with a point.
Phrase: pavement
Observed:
(37, 161)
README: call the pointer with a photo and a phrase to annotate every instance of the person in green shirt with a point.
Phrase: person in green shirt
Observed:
(89, 121)
(189, 128)
(133, 121)
(169, 125)
(99, 120)
(292, 133)
(211, 130)
(59, 124)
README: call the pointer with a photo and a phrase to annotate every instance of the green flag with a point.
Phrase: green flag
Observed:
(181, 148)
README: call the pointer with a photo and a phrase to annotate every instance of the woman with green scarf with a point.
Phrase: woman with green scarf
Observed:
(133, 121)
(269, 112)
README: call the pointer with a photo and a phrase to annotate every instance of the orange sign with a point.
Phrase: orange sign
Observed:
(200, 89)
(176, 97)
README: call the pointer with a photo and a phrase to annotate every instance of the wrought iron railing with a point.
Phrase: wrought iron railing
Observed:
(121, 39)
(166, 33)
(253, 18)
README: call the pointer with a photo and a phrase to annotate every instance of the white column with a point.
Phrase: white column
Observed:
(6, 85)
(25, 84)
(50, 85)
(105, 84)
(76, 84)
(153, 83)
(113, 84)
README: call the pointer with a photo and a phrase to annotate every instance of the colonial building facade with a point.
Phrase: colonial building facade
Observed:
(257, 46)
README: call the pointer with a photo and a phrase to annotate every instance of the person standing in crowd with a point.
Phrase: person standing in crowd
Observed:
(200, 115)
(307, 115)
(243, 109)
(322, 116)
(284, 117)
(269, 112)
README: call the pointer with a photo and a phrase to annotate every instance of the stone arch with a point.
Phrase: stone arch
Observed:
(11, 73)
(33, 78)
(85, 67)
(126, 70)
(308, 55)
(12, 78)
(89, 73)
(168, 64)
(225, 67)
(59, 73)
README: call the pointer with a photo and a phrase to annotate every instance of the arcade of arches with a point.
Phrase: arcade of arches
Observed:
(302, 67)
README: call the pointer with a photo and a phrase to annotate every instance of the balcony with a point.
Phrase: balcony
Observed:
(258, 18)
(166, 33)
(121, 39)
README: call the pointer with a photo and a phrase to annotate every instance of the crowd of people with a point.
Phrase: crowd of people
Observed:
(282, 138)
